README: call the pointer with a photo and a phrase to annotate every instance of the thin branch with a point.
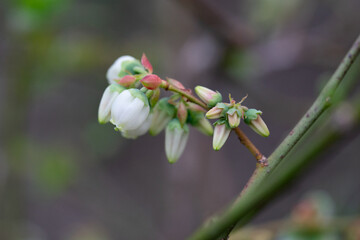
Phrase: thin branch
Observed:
(250, 193)
(249, 145)
(241, 135)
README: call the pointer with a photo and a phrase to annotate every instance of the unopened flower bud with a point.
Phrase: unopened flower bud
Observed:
(146, 63)
(124, 65)
(175, 140)
(233, 117)
(163, 112)
(182, 113)
(151, 81)
(126, 81)
(109, 96)
(204, 126)
(210, 97)
(130, 109)
(221, 134)
(214, 113)
(253, 119)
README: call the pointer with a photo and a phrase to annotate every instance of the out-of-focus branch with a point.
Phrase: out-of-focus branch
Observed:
(254, 192)
(226, 26)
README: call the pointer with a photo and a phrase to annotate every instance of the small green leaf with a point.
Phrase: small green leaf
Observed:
(231, 111)
(221, 105)
(251, 114)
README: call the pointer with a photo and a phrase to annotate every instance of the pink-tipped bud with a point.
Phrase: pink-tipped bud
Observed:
(253, 119)
(126, 81)
(259, 127)
(175, 83)
(233, 117)
(210, 97)
(151, 81)
(234, 120)
(214, 113)
(146, 63)
(182, 113)
(221, 134)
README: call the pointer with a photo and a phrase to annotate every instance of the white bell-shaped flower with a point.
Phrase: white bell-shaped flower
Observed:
(130, 110)
(133, 134)
(109, 96)
(175, 140)
(115, 69)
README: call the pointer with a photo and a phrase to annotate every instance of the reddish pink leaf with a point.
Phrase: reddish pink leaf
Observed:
(146, 63)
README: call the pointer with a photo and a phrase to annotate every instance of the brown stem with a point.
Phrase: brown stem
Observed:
(262, 160)
(184, 93)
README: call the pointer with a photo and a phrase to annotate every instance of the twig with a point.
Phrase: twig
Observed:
(241, 135)
(332, 133)
(262, 160)
(250, 192)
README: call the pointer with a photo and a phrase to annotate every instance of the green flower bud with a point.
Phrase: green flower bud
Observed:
(175, 140)
(256, 123)
(221, 134)
(233, 117)
(163, 112)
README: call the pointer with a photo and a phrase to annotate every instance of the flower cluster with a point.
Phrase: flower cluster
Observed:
(229, 116)
(123, 104)
(132, 104)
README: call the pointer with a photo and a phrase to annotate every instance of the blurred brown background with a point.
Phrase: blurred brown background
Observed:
(65, 177)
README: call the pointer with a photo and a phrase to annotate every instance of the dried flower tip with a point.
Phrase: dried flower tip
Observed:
(175, 140)
(151, 81)
(146, 63)
(210, 97)
(221, 134)
(109, 96)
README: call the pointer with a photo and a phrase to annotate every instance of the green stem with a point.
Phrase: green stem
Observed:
(250, 192)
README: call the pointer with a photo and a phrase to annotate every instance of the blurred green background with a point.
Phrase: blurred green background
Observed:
(65, 177)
